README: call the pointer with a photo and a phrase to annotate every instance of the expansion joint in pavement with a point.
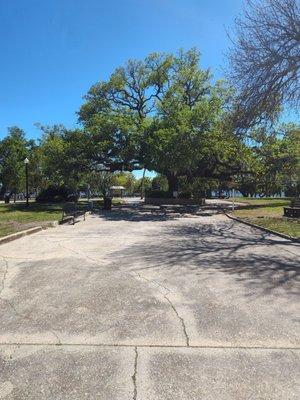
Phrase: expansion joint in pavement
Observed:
(150, 346)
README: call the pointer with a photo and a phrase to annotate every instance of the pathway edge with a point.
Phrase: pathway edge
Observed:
(291, 238)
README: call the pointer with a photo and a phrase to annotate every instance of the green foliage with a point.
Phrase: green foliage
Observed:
(139, 184)
(157, 194)
(56, 194)
(125, 179)
(272, 162)
(162, 114)
(104, 181)
(14, 148)
(65, 156)
(160, 182)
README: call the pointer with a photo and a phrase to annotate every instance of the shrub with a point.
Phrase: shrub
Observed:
(152, 194)
(56, 194)
(185, 195)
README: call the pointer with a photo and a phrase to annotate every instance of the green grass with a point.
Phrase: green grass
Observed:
(17, 217)
(268, 213)
(272, 202)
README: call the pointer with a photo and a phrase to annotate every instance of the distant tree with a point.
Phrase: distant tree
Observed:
(265, 60)
(271, 164)
(290, 154)
(143, 184)
(66, 157)
(125, 179)
(247, 177)
(14, 148)
(160, 182)
(102, 181)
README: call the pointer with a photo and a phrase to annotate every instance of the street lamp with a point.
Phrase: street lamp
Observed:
(26, 162)
(104, 184)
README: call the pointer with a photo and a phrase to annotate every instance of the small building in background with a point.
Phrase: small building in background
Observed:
(117, 191)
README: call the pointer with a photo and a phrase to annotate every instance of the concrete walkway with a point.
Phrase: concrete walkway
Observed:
(144, 305)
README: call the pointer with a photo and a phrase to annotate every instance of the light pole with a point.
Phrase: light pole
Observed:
(105, 182)
(26, 162)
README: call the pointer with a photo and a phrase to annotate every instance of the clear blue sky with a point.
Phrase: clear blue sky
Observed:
(53, 51)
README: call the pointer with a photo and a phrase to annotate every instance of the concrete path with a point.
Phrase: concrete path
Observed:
(143, 305)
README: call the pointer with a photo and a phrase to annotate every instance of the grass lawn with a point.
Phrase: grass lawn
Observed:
(268, 201)
(268, 213)
(17, 217)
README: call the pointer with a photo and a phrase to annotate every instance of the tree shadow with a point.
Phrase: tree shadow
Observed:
(140, 213)
(261, 262)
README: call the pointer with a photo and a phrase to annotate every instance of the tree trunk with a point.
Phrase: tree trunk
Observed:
(173, 184)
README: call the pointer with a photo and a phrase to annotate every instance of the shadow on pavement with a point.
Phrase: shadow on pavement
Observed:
(139, 213)
(262, 261)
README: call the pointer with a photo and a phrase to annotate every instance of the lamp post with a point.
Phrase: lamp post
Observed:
(105, 183)
(26, 162)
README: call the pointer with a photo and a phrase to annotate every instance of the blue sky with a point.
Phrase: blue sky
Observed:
(53, 51)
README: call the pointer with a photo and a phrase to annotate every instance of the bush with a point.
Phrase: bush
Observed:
(56, 194)
(154, 194)
(185, 195)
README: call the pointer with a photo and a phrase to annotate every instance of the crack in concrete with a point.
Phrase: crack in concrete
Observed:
(187, 339)
(4, 276)
(134, 376)
(152, 281)
(78, 253)
(142, 277)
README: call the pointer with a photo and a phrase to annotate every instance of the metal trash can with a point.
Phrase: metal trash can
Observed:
(107, 203)
(6, 199)
(90, 205)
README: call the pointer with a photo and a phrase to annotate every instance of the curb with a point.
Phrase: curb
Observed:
(30, 231)
(17, 235)
(291, 238)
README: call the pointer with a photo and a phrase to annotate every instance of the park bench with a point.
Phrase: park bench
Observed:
(72, 210)
(294, 210)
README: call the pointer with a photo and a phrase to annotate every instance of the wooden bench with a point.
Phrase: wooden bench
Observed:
(294, 210)
(71, 210)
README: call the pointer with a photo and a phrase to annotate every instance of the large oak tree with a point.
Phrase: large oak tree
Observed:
(162, 113)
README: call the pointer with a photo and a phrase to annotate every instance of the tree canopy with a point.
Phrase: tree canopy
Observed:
(162, 113)
(265, 60)
(13, 150)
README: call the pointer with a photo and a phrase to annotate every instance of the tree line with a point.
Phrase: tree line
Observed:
(162, 114)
